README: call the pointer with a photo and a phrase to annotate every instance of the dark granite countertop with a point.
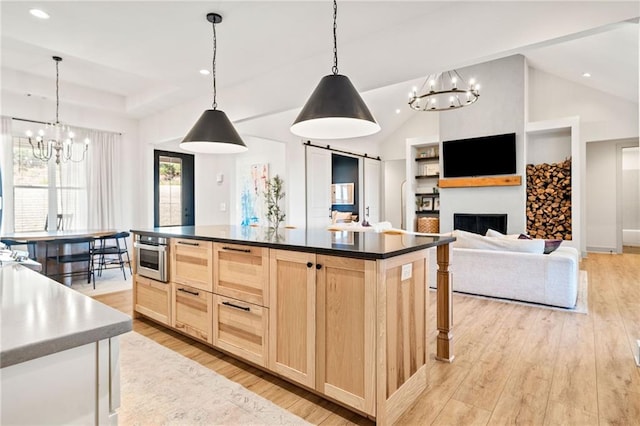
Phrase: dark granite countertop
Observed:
(41, 317)
(362, 245)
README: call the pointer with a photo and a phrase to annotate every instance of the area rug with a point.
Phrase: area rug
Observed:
(582, 302)
(162, 387)
(111, 281)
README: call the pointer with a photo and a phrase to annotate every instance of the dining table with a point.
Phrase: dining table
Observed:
(36, 242)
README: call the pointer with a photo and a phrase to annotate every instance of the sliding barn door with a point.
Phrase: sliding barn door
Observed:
(318, 187)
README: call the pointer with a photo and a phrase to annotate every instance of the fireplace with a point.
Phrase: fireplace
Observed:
(479, 223)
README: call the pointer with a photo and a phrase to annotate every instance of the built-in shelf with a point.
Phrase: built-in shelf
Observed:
(427, 176)
(511, 180)
(427, 158)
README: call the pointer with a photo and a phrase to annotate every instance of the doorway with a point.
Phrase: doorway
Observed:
(630, 191)
(173, 189)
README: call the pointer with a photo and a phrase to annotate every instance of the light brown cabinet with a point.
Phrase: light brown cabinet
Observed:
(323, 322)
(241, 328)
(292, 321)
(192, 312)
(152, 299)
(346, 333)
(192, 263)
(241, 272)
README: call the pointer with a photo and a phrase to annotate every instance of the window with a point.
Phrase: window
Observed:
(41, 187)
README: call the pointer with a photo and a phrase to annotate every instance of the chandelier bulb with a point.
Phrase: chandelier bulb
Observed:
(71, 135)
(454, 81)
(29, 133)
(41, 132)
(86, 141)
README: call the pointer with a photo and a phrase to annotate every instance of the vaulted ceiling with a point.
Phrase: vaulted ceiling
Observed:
(144, 57)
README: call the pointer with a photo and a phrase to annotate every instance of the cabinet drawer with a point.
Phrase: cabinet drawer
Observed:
(152, 299)
(241, 272)
(192, 311)
(241, 329)
(192, 263)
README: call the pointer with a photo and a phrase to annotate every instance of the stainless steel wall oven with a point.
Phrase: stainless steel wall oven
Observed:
(151, 257)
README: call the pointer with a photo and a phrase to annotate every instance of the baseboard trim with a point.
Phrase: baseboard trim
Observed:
(611, 250)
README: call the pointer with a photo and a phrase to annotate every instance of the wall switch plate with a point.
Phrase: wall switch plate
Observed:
(407, 271)
(219, 178)
(223, 207)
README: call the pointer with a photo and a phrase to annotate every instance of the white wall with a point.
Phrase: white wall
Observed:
(393, 188)
(603, 117)
(499, 110)
(260, 151)
(417, 126)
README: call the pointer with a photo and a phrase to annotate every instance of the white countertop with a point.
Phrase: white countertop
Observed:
(40, 316)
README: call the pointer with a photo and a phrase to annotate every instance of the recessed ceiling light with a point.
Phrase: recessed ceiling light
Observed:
(586, 74)
(398, 111)
(39, 13)
(205, 72)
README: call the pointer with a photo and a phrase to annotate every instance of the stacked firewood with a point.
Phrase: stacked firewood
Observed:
(549, 200)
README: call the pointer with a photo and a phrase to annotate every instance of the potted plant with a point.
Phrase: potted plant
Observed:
(273, 195)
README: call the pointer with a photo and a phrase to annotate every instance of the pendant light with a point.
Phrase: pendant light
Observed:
(213, 133)
(335, 110)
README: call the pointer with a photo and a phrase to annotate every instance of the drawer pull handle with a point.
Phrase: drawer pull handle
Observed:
(309, 264)
(236, 306)
(318, 266)
(184, 243)
(236, 249)
(184, 290)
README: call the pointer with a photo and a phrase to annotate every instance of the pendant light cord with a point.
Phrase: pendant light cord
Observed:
(335, 39)
(57, 90)
(215, 102)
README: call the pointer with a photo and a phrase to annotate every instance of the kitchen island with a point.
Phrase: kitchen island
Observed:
(341, 313)
(59, 352)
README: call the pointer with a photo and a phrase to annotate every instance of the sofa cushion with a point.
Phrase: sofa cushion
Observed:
(474, 241)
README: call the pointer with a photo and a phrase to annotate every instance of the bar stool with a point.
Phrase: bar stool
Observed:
(110, 250)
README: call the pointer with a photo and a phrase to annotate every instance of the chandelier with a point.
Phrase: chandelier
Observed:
(56, 136)
(444, 91)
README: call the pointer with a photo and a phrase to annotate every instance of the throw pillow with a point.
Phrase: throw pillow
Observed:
(493, 233)
(549, 245)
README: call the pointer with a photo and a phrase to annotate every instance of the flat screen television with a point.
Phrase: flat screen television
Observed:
(485, 156)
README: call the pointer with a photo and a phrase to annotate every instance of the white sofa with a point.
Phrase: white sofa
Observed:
(549, 279)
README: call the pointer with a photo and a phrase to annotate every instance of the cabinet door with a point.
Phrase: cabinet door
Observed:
(346, 296)
(292, 315)
(192, 263)
(193, 312)
(241, 272)
(152, 299)
(241, 328)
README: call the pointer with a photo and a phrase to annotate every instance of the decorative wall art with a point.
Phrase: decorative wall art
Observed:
(254, 184)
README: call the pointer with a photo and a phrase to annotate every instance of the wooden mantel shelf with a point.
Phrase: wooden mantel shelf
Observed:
(511, 180)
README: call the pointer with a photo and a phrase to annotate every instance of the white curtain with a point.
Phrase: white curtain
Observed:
(6, 174)
(103, 179)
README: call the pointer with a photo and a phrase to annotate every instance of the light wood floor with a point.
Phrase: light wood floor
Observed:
(514, 364)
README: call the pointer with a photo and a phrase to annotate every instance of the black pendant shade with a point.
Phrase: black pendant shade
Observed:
(335, 110)
(213, 133)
